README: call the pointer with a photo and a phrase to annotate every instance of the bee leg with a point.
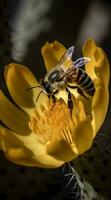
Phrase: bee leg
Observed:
(72, 86)
(53, 98)
(81, 93)
(56, 92)
(48, 97)
(70, 102)
(79, 90)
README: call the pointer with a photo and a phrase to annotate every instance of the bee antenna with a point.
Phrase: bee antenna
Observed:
(39, 95)
(33, 87)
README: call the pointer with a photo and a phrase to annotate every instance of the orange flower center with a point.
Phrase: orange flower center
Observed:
(56, 122)
(53, 121)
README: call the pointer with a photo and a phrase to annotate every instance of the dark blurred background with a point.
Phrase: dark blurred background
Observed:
(23, 31)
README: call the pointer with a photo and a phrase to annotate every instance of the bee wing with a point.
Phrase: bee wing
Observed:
(81, 61)
(67, 71)
(68, 55)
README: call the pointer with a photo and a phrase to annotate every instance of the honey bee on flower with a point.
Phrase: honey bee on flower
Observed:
(45, 133)
(61, 76)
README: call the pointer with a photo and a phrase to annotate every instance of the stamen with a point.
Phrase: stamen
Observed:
(67, 136)
(54, 121)
(37, 116)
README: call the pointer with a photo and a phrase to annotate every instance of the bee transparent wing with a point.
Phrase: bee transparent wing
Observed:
(78, 63)
(68, 55)
(67, 71)
(81, 61)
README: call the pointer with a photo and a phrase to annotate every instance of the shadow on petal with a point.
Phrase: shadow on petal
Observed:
(61, 150)
(14, 118)
(84, 136)
(18, 79)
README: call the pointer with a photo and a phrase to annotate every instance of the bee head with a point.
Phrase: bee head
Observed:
(46, 86)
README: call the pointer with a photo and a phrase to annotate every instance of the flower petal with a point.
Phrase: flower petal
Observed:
(18, 79)
(52, 53)
(40, 151)
(83, 135)
(61, 150)
(20, 150)
(98, 59)
(14, 149)
(98, 70)
(12, 116)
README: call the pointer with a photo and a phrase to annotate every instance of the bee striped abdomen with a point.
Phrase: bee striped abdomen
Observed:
(84, 81)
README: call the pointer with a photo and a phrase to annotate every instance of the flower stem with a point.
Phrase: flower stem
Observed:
(81, 189)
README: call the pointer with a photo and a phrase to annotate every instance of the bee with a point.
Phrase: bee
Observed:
(61, 76)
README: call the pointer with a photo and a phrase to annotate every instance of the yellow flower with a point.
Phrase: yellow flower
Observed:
(43, 133)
